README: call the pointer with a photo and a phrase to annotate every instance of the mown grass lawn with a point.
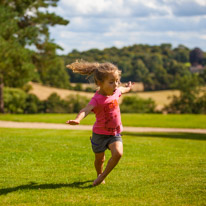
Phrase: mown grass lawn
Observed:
(55, 167)
(135, 120)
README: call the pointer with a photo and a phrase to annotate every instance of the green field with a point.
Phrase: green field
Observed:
(136, 120)
(55, 167)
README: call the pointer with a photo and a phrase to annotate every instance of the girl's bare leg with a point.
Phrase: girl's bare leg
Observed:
(99, 162)
(117, 152)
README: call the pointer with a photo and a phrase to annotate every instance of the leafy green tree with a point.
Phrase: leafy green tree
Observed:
(50, 67)
(127, 69)
(161, 78)
(154, 61)
(24, 25)
(16, 66)
(140, 71)
(166, 49)
(181, 54)
(190, 100)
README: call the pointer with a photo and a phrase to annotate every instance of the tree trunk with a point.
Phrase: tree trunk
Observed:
(1, 95)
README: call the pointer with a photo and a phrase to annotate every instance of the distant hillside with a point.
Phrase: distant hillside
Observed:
(43, 92)
(161, 98)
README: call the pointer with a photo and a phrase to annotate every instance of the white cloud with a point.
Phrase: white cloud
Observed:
(203, 37)
(107, 23)
(85, 41)
(112, 8)
(128, 8)
(188, 7)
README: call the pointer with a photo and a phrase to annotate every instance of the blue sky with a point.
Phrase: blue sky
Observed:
(105, 23)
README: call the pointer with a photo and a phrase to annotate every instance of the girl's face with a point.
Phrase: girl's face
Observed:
(110, 84)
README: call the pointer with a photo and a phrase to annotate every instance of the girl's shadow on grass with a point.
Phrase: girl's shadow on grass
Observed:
(190, 136)
(35, 186)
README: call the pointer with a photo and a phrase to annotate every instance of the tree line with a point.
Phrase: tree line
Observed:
(156, 66)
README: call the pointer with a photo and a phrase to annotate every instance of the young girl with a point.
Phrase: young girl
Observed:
(108, 127)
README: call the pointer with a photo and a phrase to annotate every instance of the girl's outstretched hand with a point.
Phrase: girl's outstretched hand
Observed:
(126, 88)
(72, 122)
(129, 84)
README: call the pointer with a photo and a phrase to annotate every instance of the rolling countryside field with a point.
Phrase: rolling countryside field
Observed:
(161, 98)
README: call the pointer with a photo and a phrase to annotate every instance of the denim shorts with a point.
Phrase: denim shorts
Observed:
(101, 142)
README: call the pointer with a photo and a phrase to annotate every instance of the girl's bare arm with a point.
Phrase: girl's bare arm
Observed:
(126, 88)
(82, 114)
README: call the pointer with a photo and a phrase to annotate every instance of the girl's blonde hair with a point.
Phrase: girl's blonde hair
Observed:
(100, 71)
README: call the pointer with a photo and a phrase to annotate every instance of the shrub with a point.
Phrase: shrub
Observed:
(18, 101)
(72, 104)
(54, 104)
(33, 104)
(131, 104)
(190, 100)
(76, 102)
(14, 100)
(78, 87)
(201, 104)
(90, 89)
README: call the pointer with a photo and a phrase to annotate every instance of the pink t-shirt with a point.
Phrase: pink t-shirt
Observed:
(108, 118)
